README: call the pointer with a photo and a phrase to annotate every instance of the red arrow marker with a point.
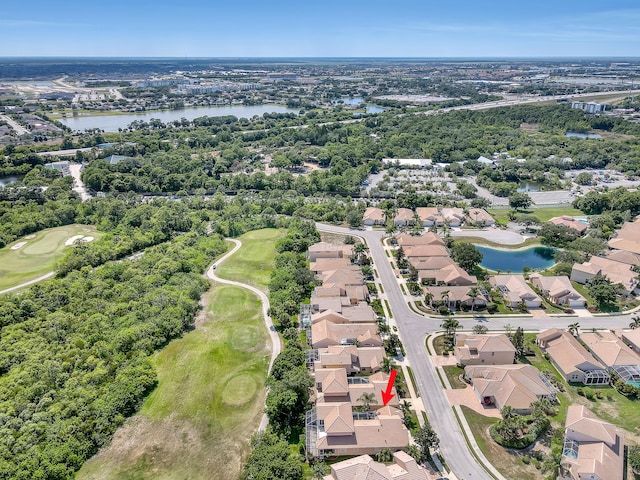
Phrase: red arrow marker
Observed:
(387, 395)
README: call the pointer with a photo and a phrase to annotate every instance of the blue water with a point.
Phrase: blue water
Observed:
(514, 261)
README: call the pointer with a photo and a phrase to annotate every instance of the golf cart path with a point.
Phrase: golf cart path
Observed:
(275, 339)
(26, 284)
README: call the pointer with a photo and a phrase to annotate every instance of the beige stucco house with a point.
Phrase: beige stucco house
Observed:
(483, 349)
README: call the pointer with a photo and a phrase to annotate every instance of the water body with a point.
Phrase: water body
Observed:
(4, 181)
(360, 101)
(582, 135)
(539, 258)
(111, 123)
(527, 186)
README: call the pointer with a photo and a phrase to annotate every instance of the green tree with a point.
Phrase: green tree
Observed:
(602, 290)
(634, 458)
(466, 255)
(271, 458)
(635, 322)
(557, 235)
(520, 200)
(384, 456)
(518, 341)
(426, 438)
(480, 329)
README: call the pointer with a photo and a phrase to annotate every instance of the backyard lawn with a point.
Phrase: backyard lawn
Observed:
(35, 255)
(198, 421)
(543, 214)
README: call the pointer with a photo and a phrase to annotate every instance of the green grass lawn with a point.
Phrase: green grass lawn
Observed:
(489, 243)
(543, 214)
(613, 407)
(453, 373)
(508, 463)
(252, 263)
(198, 421)
(38, 255)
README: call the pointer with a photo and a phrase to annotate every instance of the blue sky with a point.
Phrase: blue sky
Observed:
(325, 28)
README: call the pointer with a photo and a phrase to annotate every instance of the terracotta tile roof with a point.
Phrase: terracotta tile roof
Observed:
(627, 238)
(374, 214)
(517, 288)
(426, 251)
(325, 331)
(600, 446)
(558, 287)
(567, 353)
(617, 272)
(517, 386)
(428, 238)
(570, 222)
(404, 215)
(610, 349)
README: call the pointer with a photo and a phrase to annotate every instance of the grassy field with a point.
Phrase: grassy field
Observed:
(543, 214)
(489, 243)
(38, 255)
(198, 422)
(507, 462)
(252, 263)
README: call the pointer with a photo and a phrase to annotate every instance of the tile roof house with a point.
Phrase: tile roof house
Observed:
(515, 386)
(328, 264)
(350, 358)
(349, 278)
(514, 288)
(631, 338)
(429, 238)
(430, 263)
(328, 250)
(570, 222)
(609, 349)
(624, 256)
(404, 467)
(592, 448)
(448, 275)
(483, 349)
(425, 251)
(453, 216)
(616, 272)
(571, 359)
(479, 216)
(430, 216)
(325, 333)
(558, 290)
(373, 216)
(404, 216)
(627, 238)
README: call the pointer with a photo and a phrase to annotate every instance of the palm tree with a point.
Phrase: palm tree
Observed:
(552, 464)
(473, 292)
(428, 298)
(367, 399)
(405, 407)
(387, 364)
(507, 412)
(443, 295)
(573, 328)
(635, 322)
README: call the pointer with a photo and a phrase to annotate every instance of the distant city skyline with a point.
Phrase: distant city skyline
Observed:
(357, 28)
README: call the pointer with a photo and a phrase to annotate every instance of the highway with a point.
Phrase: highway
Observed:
(413, 330)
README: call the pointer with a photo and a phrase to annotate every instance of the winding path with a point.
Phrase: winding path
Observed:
(26, 284)
(275, 339)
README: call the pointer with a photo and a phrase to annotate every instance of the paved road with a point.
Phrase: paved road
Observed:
(64, 153)
(275, 339)
(414, 328)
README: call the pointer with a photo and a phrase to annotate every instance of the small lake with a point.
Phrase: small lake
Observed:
(360, 101)
(4, 181)
(538, 258)
(582, 135)
(111, 123)
(527, 186)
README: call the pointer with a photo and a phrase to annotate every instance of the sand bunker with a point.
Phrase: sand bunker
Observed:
(72, 240)
(18, 245)
(29, 237)
(75, 238)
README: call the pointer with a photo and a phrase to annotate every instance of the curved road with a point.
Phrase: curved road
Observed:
(26, 284)
(275, 339)
(414, 328)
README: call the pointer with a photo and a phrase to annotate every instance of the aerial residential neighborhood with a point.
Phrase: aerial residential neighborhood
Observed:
(320, 240)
